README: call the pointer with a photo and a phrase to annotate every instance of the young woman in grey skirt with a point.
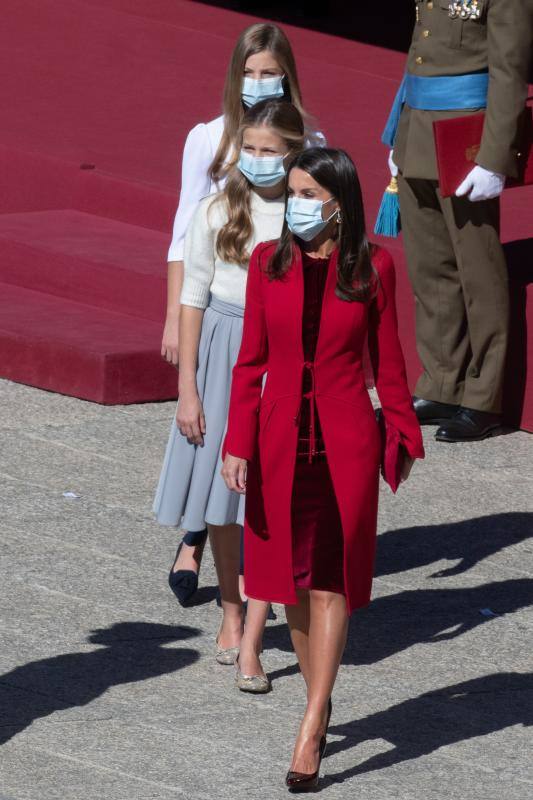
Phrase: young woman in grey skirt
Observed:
(262, 67)
(221, 236)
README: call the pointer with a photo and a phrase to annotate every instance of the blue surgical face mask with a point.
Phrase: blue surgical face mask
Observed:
(304, 217)
(261, 170)
(254, 89)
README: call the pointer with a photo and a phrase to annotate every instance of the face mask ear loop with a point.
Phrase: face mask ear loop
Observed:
(337, 211)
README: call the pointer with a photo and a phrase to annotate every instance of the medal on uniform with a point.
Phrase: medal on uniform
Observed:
(465, 9)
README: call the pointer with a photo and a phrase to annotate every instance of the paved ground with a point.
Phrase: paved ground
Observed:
(110, 691)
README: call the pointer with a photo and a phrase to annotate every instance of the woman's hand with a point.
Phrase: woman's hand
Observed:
(169, 344)
(234, 473)
(406, 467)
(190, 417)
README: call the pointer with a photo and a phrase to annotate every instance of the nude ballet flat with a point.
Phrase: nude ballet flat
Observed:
(227, 656)
(255, 684)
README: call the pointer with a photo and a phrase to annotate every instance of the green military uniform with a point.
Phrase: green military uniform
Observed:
(455, 259)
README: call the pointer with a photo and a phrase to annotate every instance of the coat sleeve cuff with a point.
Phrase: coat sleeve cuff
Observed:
(237, 449)
(413, 451)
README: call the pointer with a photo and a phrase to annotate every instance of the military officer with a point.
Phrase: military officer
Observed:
(465, 56)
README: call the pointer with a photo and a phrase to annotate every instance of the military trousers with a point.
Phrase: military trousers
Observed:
(459, 277)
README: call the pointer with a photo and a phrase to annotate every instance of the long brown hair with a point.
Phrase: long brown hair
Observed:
(335, 171)
(256, 39)
(285, 120)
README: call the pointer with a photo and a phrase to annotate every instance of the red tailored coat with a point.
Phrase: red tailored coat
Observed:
(263, 426)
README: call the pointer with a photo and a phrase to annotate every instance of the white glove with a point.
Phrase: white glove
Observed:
(392, 166)
(481, 184)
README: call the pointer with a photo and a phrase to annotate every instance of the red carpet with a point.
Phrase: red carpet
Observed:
(101, 94)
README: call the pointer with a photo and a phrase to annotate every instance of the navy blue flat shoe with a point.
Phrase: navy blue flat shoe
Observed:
(183, 583)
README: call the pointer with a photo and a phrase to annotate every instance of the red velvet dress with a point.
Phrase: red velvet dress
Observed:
(317, 539)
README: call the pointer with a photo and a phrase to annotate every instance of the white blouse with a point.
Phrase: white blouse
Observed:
(199, 151)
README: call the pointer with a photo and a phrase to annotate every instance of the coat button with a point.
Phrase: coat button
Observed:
(426, 34)
(430, 5)
(419, 60)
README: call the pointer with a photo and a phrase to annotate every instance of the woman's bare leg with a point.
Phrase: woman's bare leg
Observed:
(298, 621)
(190, 556)
(252, 640)
(241, 589)
(327, 638)
(225, 543)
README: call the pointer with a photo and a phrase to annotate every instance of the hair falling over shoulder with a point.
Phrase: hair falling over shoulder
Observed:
(257, 38)
(335, 171)
(286, 121)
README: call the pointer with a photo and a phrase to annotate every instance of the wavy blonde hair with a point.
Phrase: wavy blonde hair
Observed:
(257, 38)
(285, 120)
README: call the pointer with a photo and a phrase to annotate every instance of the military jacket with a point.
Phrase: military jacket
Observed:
(457, 38)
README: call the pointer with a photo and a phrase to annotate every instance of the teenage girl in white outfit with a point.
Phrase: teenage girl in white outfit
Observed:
(262, 66)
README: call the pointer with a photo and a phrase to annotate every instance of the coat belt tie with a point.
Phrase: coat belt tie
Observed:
(310, 396)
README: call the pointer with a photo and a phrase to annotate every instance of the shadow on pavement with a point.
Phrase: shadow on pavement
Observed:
(392, 624)
(285, 672)
(467, 542)
(421, 725)
(396, 622)
(204, 595)
(131, 652)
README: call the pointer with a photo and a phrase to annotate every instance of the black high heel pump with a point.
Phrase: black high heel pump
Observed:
(304, 781)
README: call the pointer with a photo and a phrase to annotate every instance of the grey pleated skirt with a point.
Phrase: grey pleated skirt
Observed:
(191, 490)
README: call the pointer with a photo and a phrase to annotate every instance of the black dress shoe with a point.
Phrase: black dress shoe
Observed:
(184, 582)
(303, 781)
(429, 412)
(469, 425)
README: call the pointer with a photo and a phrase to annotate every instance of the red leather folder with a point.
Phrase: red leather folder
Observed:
(457, 142)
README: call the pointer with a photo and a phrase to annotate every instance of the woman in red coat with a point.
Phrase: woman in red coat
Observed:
(307, 447)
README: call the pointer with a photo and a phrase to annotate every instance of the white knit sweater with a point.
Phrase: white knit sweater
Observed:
(205, 272)
(199, 151)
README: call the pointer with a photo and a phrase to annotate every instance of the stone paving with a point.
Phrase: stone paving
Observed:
(109, 690)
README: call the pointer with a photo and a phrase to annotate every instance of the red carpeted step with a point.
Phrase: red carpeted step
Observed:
(86, 258)
(35, 181)
(57, 344)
